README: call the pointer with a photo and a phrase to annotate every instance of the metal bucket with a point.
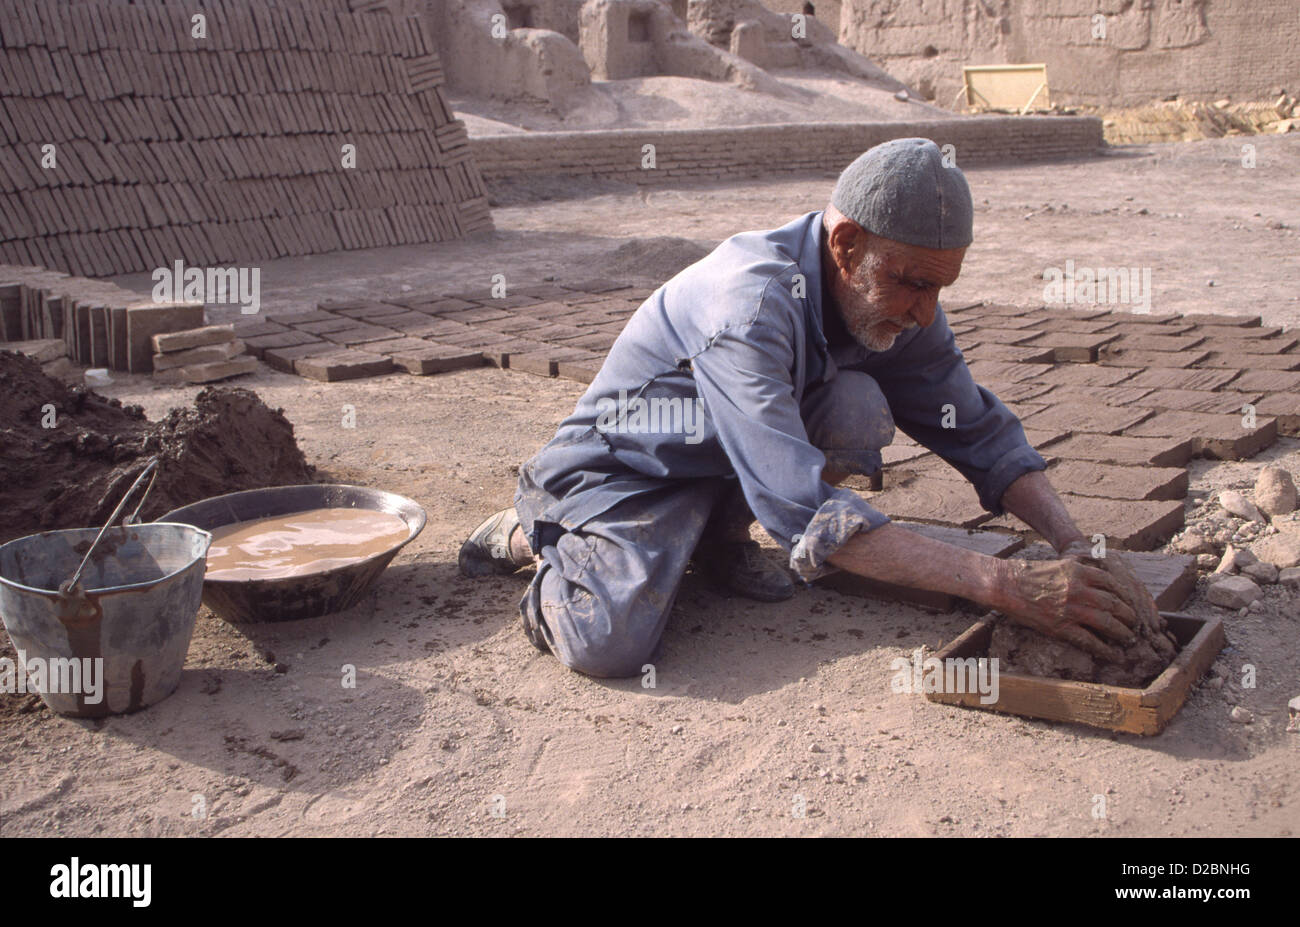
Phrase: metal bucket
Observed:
(143, 584)
(107, 612)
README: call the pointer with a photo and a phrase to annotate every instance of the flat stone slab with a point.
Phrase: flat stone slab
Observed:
(1110, 481)
(343, 365)
(991, 543)
(1092, 418)
(1222, 437)
(1127, 451)
(1128, 524)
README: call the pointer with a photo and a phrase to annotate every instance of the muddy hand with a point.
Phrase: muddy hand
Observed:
(1070, 600)
(1135, 593)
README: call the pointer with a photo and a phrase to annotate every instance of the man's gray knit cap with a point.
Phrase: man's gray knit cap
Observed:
(901, 190)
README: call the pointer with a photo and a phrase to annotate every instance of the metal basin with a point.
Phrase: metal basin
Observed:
(289, 599)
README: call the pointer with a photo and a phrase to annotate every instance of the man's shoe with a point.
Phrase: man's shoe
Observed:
(743, 568)
(487, 551)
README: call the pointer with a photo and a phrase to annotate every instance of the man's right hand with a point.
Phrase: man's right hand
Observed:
(1069, 600)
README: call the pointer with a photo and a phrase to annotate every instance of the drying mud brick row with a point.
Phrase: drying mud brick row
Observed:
(246, 133)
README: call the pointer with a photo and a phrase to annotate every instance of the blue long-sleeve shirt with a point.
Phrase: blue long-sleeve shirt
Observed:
(707, 378)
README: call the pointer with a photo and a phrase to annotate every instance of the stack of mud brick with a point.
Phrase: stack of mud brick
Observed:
(131, 143)
(50, 314)
(721, 153)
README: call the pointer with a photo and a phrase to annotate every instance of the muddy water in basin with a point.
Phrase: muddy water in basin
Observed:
(301, 543)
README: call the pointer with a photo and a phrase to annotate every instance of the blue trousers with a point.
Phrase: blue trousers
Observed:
(602, 595)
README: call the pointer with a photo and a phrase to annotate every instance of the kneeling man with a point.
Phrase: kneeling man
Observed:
(747, 387)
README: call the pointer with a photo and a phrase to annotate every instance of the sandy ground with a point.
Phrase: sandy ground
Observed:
(758, 710)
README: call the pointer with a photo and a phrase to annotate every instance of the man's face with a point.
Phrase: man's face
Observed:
(893, 288)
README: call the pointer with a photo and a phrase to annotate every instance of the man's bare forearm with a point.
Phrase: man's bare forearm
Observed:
(894, 554)
(1032, 499)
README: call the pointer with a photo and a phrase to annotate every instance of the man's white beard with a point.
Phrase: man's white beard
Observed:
(872, 335)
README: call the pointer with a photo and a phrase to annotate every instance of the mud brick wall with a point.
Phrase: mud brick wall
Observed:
(756, 150)
(224, 149)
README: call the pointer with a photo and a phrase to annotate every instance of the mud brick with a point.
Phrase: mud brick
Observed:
(81, 333)
(1006, 371)
(1236, 321)
(989, 543)
(436, 306)
(1222, 437)
(513, 325)
(1086, 375)
(194, 338)
(1195, 400)
(203, 354)
(208, 373)
(1069, 313)
(540, 290)
(1006, 335)
(1236, 332)
(556, 332)
(343, 365)
(616, 326)
(300, 318)
(498, 355)
(598, 285)
(1128, 524)
(360, 333)
(1072, 347)
(580, 371)
(1008, 353)
(335, 324)
(1252, 346)
(938, 502)
(1040, 438)
(1201, 379)
(1285, 407)
(1076, 325)
(252, 329)
(1106, 395)
(337, 305)
(434, 358)
(1147, 318)
(548, 311)
(589, 316)
(1267, 381)
(1128, 357)
(119, 345)
(1023, 391)
(474, 338)
(475, 314)
(260, 344)
(1147, 328)
(1091, 418)
(1161, 342)
(41, 350)
(99, 354)
(283, 359)
(1126, 451)
(144, 320)
(593, 341)
(414, 323)
(546, 363)
(1089, 478)
(1005, 322)
(1257, 361)
(371, 311)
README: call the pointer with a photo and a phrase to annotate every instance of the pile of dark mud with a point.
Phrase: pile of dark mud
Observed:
(70, 454)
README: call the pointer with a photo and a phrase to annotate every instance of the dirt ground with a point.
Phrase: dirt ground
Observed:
(758, 710)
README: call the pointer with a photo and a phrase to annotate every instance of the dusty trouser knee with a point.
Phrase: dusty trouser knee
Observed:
(602, 595)
(848, 420)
